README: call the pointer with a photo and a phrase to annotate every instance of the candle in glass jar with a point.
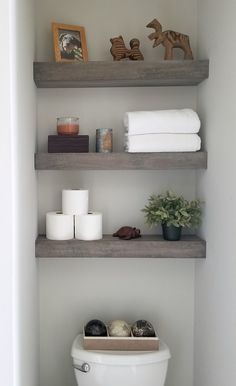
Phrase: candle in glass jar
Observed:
(67, 126)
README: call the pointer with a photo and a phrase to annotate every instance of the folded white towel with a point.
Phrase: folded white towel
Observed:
(162, 121)
(153, 143)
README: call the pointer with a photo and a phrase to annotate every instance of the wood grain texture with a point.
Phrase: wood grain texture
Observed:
(68, 143)
(148, 246)
(120, 74)
(120, 161)
(170, 40)
(121, 343)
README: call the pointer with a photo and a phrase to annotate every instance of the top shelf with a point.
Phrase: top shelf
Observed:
(120, 74)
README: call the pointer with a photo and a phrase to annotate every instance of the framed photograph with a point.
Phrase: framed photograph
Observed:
(69, 43)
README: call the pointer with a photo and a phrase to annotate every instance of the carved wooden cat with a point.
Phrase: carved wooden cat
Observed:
(118, 49)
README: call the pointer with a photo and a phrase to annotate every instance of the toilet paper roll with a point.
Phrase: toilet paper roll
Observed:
(88, 226)
(59, 226)
(74, 201)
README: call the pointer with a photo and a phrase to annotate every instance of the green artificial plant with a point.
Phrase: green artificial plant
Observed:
(170, 209)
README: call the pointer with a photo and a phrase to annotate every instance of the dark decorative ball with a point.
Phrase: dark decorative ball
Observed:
(95, 327)
(143, 328)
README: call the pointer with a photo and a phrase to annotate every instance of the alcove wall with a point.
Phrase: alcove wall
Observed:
(162, 290)
(215, 285)
(72, 291)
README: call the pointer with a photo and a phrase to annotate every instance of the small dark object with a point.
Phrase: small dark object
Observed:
(143, 328)
(95, 327)
(171, 233)
(68, 144)
(127, 233)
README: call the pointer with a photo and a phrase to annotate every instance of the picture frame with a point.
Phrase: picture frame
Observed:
(69, 43)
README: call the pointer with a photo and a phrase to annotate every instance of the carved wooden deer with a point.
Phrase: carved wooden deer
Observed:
(169, 39)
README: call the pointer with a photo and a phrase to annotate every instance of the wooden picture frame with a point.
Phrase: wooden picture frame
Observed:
(69, 43)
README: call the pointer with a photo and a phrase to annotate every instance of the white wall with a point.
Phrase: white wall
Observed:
(7, 300)
(25, 215)
(26, 197)
(18, 276)
(73, 291)
(215, 311)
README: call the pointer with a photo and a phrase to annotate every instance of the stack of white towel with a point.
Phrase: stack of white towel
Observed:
(162, 131)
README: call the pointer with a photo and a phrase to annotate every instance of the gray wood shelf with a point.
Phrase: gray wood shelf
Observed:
(148, 246)
(120, 74)
(120, 161)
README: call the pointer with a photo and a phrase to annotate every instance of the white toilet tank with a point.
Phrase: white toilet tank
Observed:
(119, 368)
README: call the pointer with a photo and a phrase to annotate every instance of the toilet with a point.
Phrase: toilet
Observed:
(119, 368)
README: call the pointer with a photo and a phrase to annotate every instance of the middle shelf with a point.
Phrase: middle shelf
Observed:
(148, 246)
(121, 161)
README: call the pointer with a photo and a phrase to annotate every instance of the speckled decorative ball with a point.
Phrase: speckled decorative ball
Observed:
(119, 328)
(95, 327)
(142, 328)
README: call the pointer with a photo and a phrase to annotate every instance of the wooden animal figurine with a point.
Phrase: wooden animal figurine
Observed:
(127, 233)
(135, 53)
(118, 49)
(169, 39)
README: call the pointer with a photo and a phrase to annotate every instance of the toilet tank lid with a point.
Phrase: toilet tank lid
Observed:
(118, 357)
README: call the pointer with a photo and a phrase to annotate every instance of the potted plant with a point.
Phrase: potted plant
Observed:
(173, 212)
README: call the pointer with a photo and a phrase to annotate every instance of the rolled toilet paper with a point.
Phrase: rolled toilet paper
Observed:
(75, 201)
(59, 226)
(88, 226)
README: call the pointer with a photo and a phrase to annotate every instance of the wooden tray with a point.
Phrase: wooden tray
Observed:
(130, 343)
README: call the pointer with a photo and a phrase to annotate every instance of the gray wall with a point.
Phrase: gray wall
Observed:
(215, 311)
(74, 291)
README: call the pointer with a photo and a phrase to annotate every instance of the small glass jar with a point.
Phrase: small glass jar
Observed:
(67, 126)
(104, 140)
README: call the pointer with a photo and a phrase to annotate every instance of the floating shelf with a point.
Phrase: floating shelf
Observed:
(120, 74)
(120, 161)
(145, 247)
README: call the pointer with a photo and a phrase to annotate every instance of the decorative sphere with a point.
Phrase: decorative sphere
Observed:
(142, 328)
(119, 328)
(95, 327)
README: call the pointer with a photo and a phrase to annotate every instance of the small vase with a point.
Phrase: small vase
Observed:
(171, 233)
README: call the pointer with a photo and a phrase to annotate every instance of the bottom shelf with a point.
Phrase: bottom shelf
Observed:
(148, 246)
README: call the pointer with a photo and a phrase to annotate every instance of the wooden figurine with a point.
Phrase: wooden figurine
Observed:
(135, 53)
(169, 39)
(118, 49)
(127, 233)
